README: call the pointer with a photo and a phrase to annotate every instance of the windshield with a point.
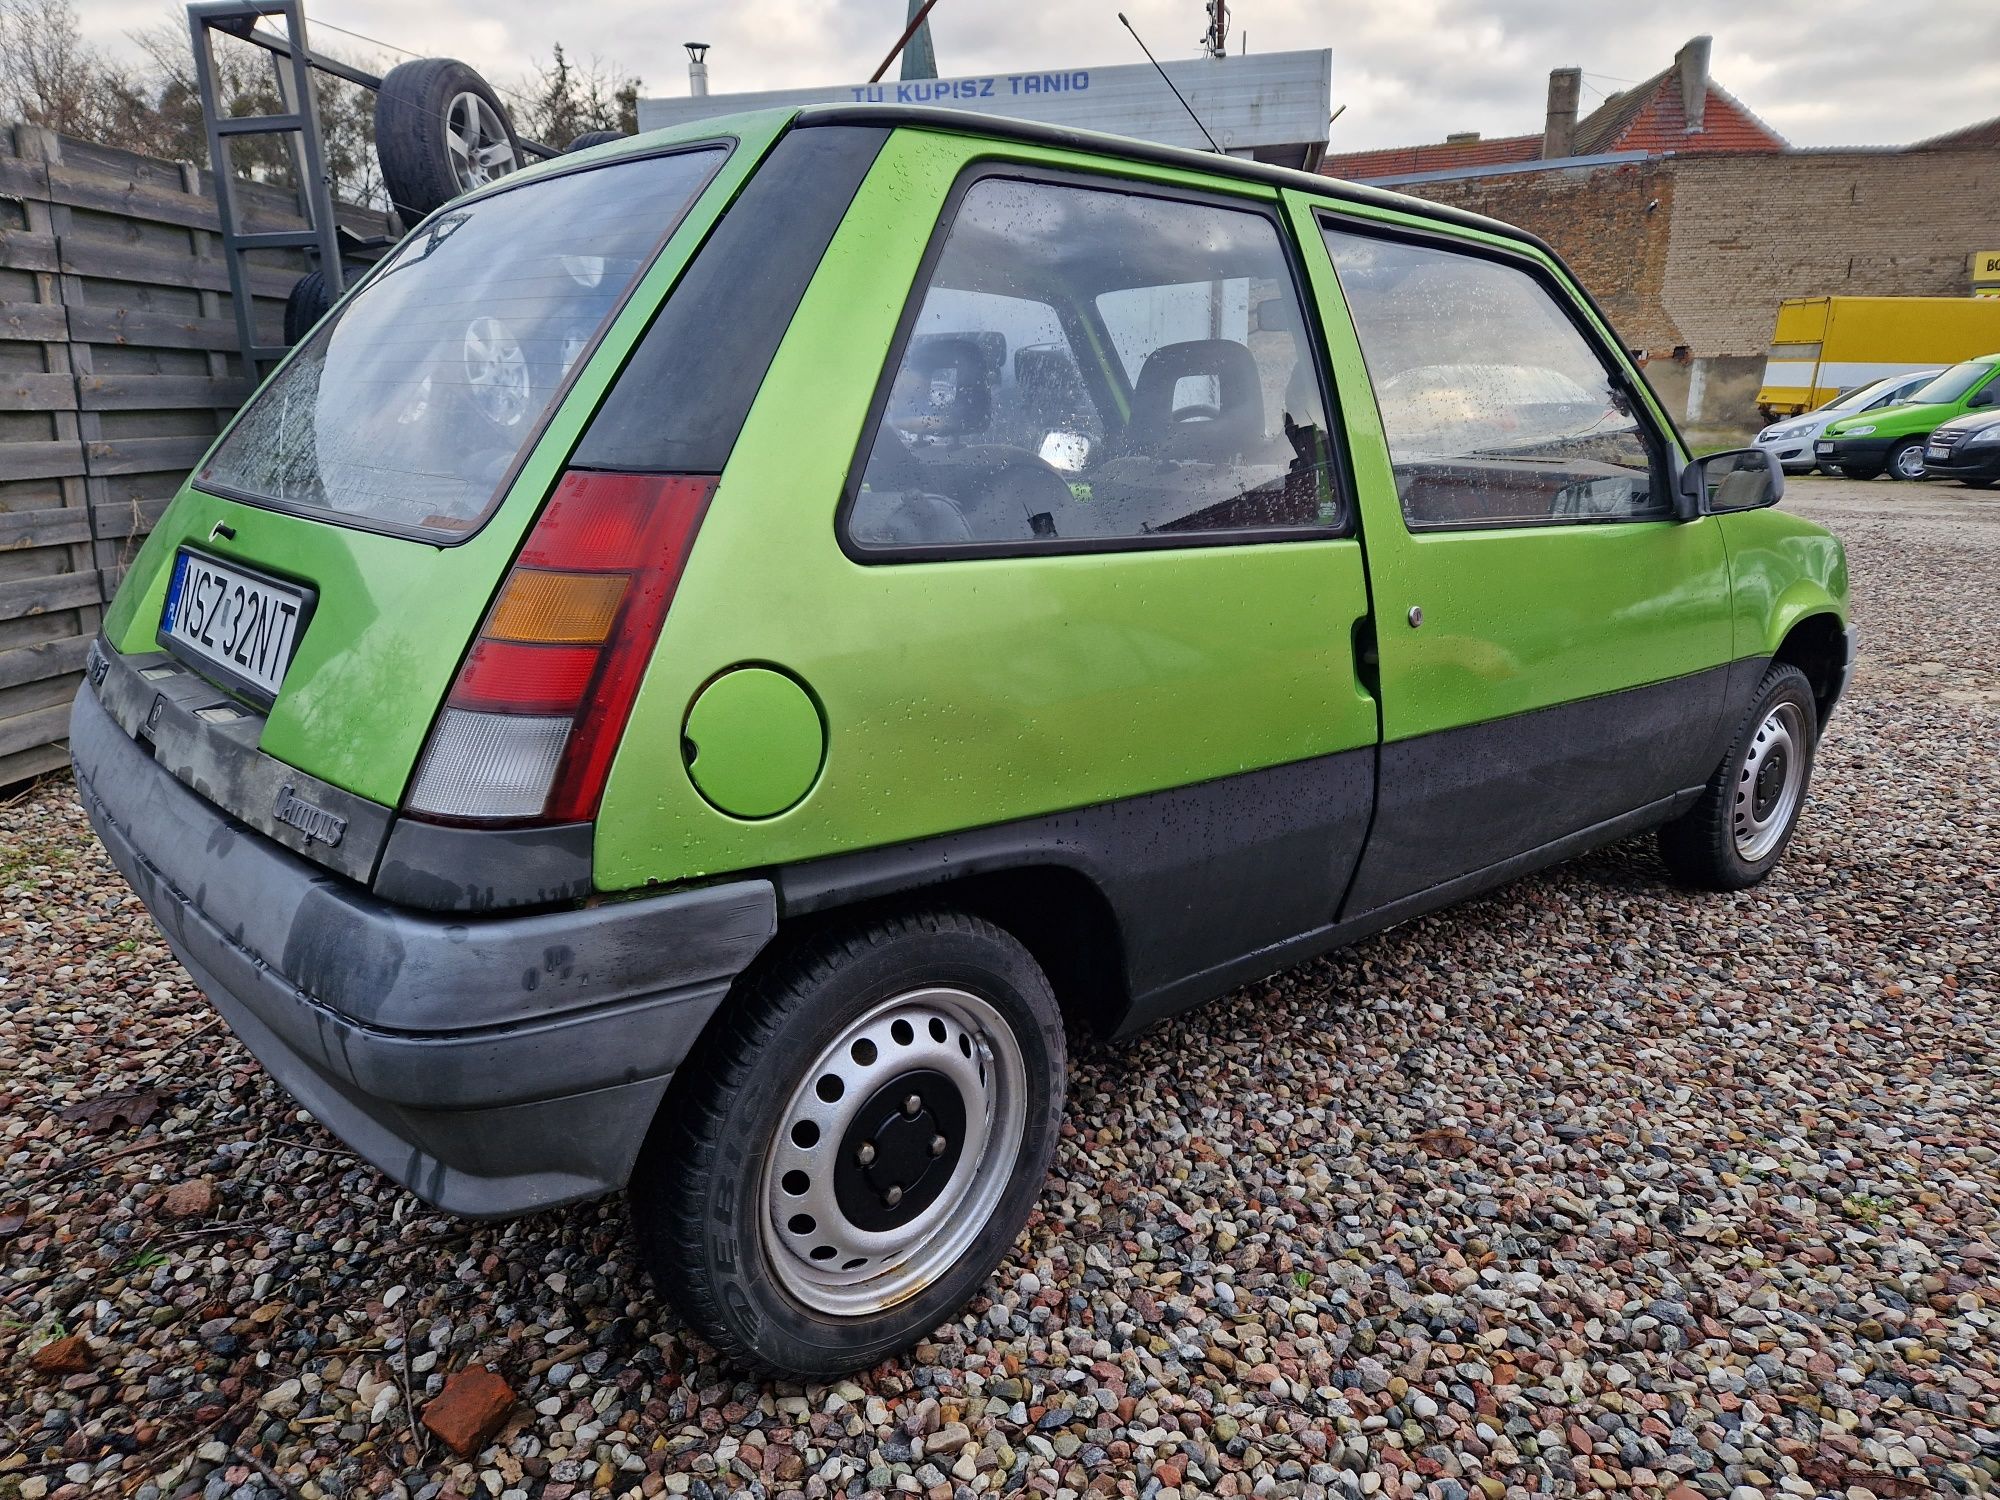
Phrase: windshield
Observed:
(1953, 384)
(1861, 395)
(408, 408)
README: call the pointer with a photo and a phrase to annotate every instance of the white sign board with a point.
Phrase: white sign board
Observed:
(1264, 100)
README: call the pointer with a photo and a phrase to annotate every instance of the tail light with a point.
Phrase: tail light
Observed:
(532, 720)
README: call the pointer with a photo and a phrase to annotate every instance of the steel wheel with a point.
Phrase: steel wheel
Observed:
(1907, 462)
(893, 1151)
(1772, 779)
(497, 371)
(477, 138)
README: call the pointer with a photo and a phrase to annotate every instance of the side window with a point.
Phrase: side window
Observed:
(1497, 409)
(1090, 365)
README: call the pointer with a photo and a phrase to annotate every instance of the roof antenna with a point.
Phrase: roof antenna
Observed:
(1170, 84)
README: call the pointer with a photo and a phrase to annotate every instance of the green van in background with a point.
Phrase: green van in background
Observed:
(1893, 439)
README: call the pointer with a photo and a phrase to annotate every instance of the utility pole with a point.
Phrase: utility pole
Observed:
(1215, 41)
(919, 61)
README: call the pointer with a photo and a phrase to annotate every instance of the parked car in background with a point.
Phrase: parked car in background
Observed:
(717, 649)
(1893, 439)
(1790, 442)
(1967, 449)
(1824, 345)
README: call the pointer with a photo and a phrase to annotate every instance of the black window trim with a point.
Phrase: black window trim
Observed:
(1101, 177)
(1664, 448)
(431, 536)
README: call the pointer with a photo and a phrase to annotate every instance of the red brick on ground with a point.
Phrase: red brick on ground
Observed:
(469, 1410)
(189, 1200)
(63, 1356)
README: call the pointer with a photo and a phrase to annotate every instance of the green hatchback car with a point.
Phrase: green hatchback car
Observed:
(723, 646)
(1894, 438)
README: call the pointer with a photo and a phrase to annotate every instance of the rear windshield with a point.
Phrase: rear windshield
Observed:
(1953, 384)
(407, 409)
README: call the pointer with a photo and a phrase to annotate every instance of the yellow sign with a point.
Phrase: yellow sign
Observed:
(1986, 268)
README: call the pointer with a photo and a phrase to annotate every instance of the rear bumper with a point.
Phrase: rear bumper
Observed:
(491, 1066)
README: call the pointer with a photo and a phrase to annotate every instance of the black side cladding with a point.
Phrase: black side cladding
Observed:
(684, 394)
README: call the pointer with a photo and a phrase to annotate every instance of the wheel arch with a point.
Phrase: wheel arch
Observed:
(1816, 641)
(1057, 911)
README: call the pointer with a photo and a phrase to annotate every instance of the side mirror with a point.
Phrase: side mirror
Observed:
(1741, 479)
(1986, 395)
(1065, 451)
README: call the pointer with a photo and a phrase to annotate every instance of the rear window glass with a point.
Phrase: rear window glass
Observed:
(408, 408)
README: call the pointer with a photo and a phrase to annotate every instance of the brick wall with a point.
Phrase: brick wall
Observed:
(1602, 221)
(1733, 235)
(1749, 231)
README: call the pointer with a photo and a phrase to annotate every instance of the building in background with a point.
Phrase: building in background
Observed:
(1690, 220)
(1678, 109)
(1272, 106)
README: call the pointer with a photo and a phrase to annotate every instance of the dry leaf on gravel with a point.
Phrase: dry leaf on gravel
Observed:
(133, 1109)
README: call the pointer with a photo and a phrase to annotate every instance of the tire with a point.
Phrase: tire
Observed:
(1906, 459)
(423, 113)
(593, 138)
(311, 299)
(832, 1033)
(1979, 484)
(1722, 843)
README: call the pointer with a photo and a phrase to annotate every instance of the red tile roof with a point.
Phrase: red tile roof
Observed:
(1398, 161)
(1646, 117)
(1659, 123)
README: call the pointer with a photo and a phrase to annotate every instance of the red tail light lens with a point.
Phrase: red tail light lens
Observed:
(534, 717)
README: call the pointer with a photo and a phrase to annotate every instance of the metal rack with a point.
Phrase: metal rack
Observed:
(294, 62)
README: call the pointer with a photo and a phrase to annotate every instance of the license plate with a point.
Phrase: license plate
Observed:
(232, 624)
(1936, 452)
(1822, 448)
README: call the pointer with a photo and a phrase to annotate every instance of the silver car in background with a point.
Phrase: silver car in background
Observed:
(1790, 440)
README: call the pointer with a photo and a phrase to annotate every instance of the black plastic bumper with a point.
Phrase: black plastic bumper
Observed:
(1981, 463)
(1868, 452)
(491, 1066)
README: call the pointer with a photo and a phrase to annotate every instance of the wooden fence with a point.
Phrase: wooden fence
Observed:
(118, 365)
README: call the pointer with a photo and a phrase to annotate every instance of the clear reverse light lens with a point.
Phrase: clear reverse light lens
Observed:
(481, 765)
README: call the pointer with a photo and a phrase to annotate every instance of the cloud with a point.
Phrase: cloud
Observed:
(1408, 72)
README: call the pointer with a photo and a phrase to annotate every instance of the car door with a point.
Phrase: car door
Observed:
(1554, 645)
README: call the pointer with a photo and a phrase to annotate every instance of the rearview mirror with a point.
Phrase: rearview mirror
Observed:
(1741, 479)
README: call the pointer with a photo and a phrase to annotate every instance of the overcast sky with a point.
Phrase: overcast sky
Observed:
(1822, 72)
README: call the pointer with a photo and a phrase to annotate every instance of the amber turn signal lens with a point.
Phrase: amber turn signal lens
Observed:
(556, 608)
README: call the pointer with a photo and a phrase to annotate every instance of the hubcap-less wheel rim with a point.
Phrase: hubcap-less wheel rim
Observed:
(1910, 462)
(894, 1151)
(477, 140)
(1768, 788)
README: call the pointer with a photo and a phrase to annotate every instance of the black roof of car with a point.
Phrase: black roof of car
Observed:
(972, 122)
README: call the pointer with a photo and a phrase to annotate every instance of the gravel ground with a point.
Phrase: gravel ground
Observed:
(1589, 1186)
